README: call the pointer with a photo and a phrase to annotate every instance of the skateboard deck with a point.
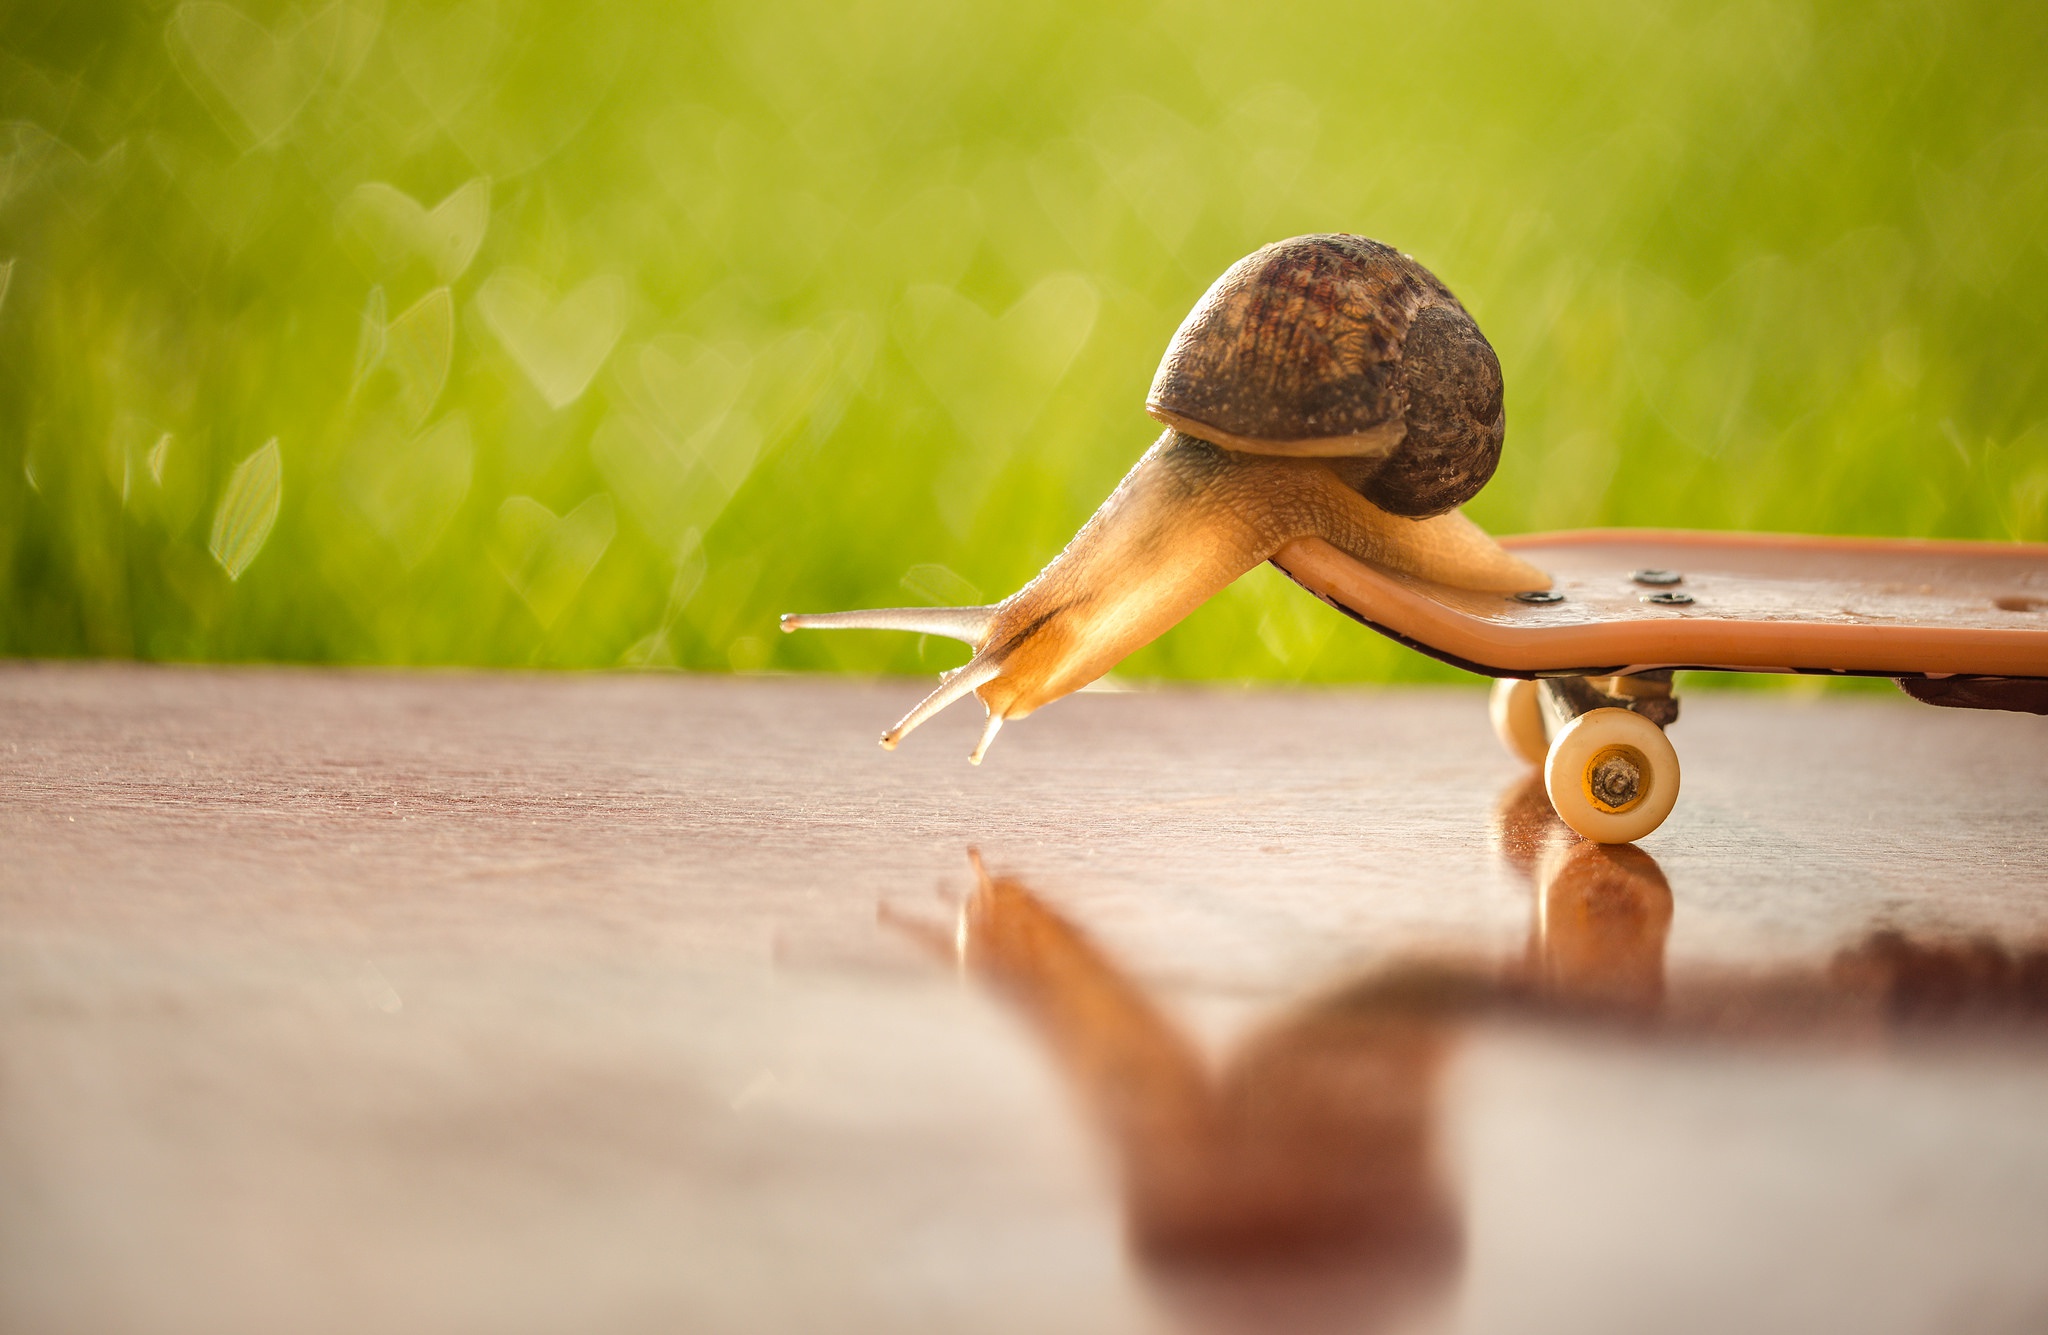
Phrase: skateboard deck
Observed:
(1748, 602)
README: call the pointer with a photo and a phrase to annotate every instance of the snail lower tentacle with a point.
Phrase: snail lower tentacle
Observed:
(1188, 519)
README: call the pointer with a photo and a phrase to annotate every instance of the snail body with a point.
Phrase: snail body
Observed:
(1325, 386)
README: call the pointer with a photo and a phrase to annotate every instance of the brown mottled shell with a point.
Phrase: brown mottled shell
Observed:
(1338, 347)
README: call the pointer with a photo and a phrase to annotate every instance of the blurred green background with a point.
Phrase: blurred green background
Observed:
(536, 332)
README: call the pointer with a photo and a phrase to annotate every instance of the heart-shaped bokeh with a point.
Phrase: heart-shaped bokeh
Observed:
(696, 394)
(33, 161)
(230, 193)
(409, 488)
(261, 78)
(390, 227)
(663, 489)
(993, 374)
(443, 52)
(560, 345)
(545, 557)
(509, 81)
(404, 367)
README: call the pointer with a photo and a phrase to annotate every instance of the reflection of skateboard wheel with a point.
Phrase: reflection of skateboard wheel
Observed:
(1612, 775)
(1517, 711)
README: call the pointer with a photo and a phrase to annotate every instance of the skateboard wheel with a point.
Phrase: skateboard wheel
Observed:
(1517, 712)
(1612, 775)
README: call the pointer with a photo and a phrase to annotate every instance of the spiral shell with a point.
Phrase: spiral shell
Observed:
(1339, 347)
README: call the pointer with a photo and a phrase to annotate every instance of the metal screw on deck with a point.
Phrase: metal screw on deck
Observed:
(1668, 598)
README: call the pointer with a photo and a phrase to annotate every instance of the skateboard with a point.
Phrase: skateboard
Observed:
(1584, 669)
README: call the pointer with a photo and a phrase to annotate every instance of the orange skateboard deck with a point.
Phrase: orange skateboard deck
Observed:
(1956, 623)
(1635, 600)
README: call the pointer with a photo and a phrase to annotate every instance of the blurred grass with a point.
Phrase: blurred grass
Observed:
(529, 332)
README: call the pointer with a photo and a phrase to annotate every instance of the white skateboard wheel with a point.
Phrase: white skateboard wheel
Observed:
(1517, 712)
(1612, 775)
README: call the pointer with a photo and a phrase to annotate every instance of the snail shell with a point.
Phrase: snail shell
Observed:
(1338, 347)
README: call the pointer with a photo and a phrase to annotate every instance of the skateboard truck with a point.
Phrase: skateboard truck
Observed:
(1645, 693)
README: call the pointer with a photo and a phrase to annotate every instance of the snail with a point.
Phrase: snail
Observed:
(1325, 386)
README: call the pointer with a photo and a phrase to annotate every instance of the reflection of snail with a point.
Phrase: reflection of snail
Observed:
(1296, 1185)
(1295, 1188)
(1327, 387)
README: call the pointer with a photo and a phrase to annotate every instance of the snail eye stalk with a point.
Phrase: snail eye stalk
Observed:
(969, 625)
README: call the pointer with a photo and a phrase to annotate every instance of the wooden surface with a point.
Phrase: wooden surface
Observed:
(343, 1001)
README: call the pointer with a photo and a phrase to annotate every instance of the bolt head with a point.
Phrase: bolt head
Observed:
(1615, 779)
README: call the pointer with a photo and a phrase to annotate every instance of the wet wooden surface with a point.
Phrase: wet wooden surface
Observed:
(336, 1001)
